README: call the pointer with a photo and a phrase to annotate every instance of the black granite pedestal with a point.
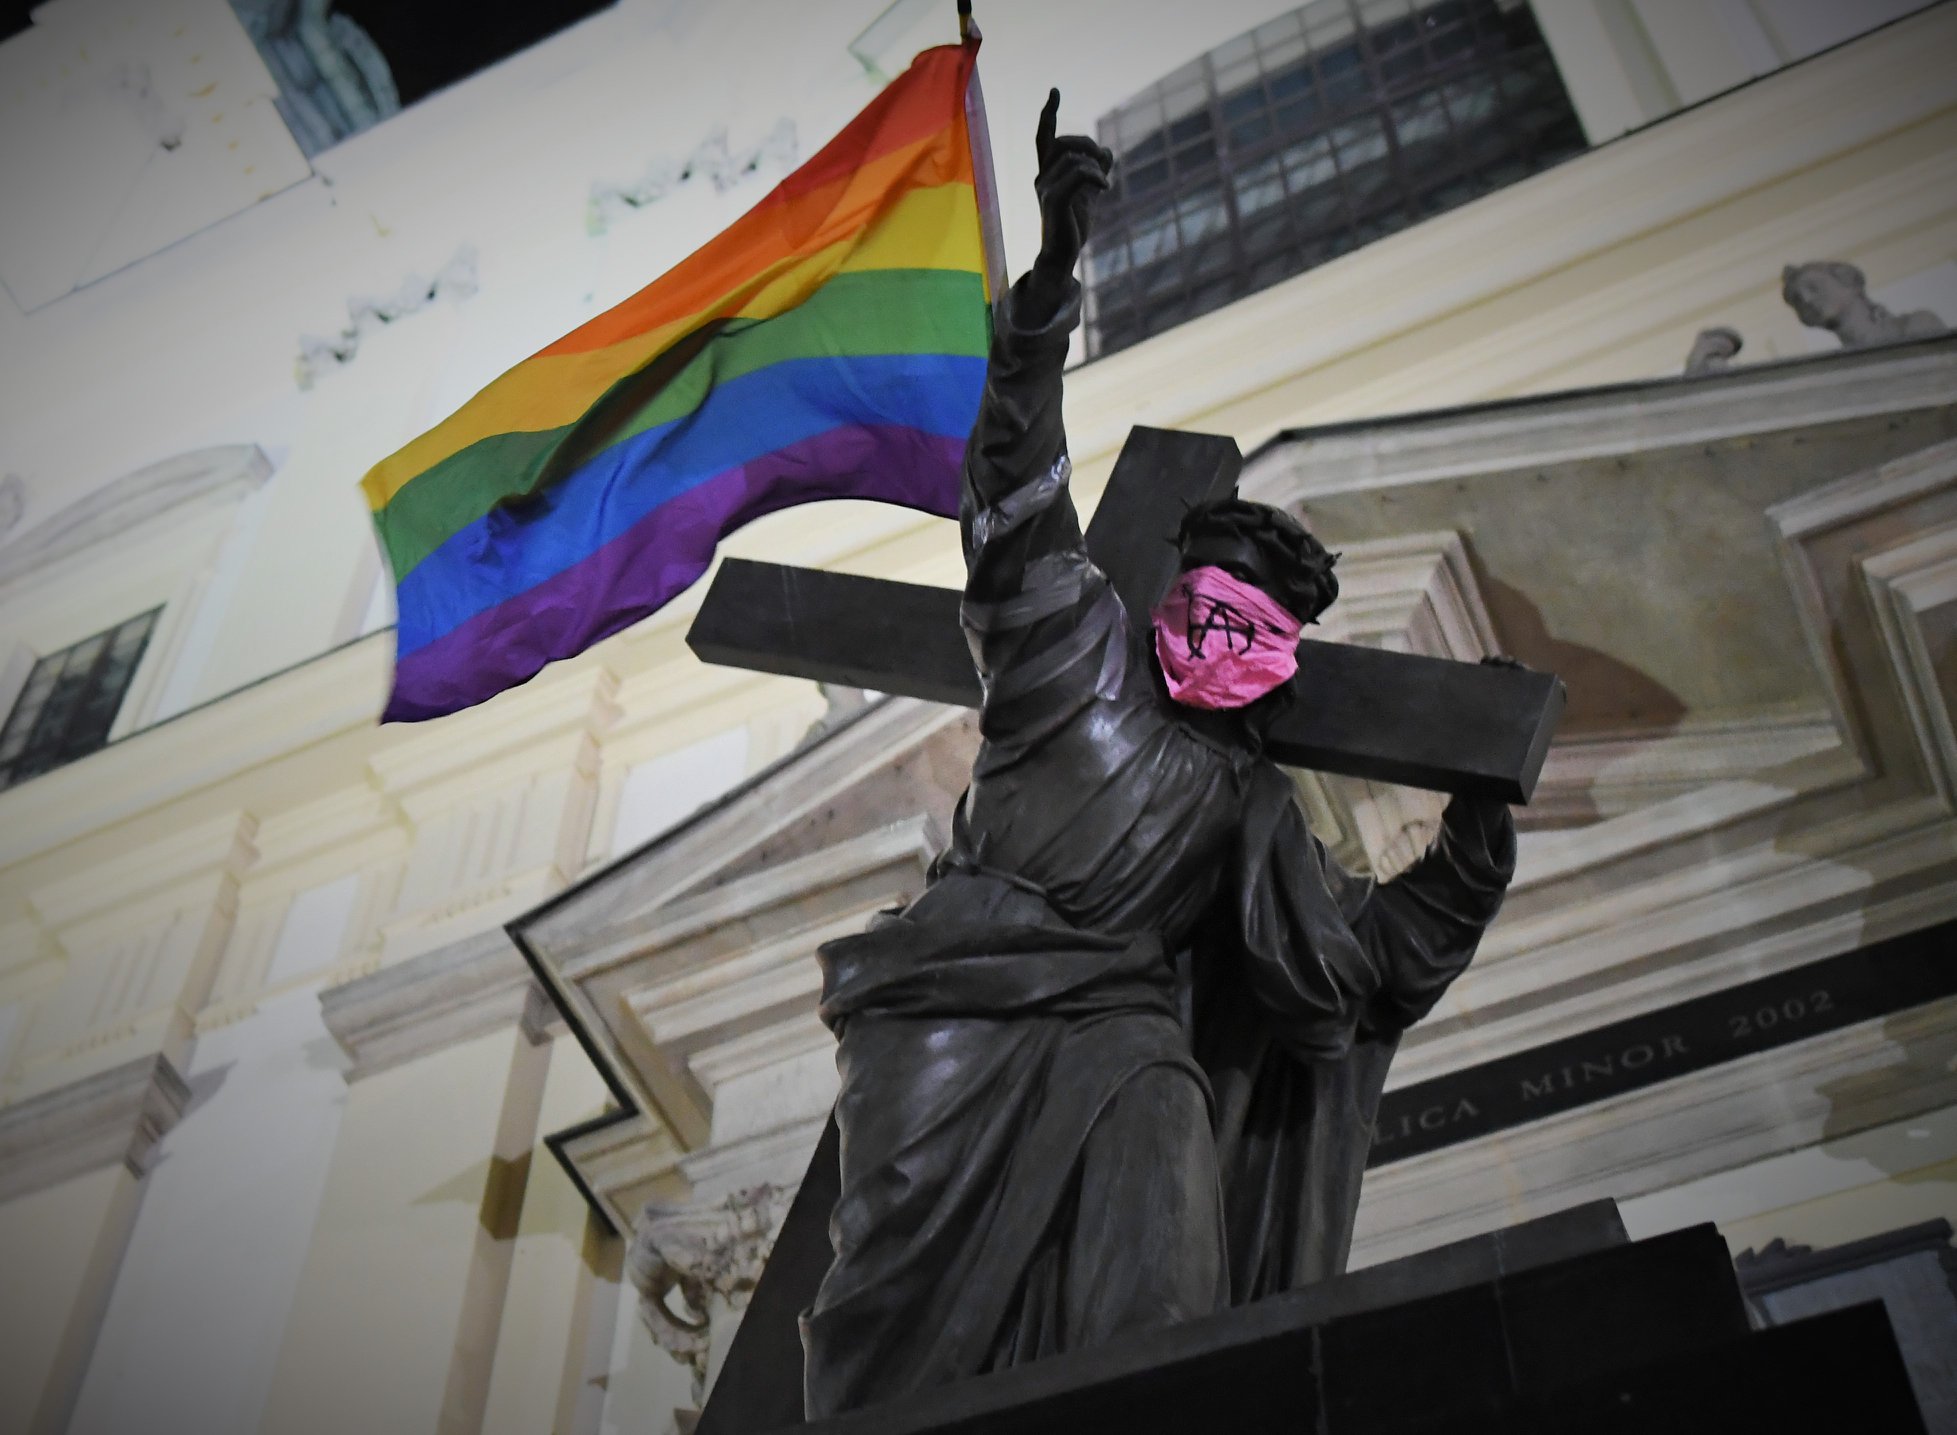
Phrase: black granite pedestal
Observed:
(1557, 1325)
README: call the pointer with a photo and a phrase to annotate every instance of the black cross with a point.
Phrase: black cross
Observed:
(1395, 717)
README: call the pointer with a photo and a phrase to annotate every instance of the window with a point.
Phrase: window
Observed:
(1314, 134)
(70, 701)
(349, 64)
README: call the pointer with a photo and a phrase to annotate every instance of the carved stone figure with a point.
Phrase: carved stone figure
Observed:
(1828, 294)
(1713, 350)
(687, 1262)
(1118, 1065)
(333, 79)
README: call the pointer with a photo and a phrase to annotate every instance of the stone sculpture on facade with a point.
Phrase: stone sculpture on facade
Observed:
(1713, 351)
(690, 1262)
(333, 80)
(1117, 1067)
(1829, 294)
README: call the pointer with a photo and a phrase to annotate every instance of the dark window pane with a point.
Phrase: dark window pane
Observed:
(1258, 187)
(1244, 103)
(69, 702)
(1201, 214)
(1249, 133)
(1192, 158)
(1291, 81)
(1339, 123)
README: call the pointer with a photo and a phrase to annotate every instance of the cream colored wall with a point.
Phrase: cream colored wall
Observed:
(1841, 1189)
(557, 1276)
(144, 891)
(60, 1248)
(1630, 63)
(398, 1310)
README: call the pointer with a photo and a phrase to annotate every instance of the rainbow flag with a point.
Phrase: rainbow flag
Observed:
(830, 344)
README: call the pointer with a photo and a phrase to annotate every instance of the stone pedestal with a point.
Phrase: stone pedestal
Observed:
(1559, 1324)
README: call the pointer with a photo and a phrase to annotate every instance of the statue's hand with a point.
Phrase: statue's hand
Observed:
(1074, 172)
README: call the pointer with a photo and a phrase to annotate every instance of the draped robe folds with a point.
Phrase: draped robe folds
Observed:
(1122, 896)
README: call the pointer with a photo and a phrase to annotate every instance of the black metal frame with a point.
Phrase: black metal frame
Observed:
(1314, 134)
(60, 715)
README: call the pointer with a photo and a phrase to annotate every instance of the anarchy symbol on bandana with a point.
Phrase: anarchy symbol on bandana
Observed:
(1208, 616)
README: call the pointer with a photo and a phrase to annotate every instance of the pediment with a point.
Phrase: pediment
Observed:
(1758, 574)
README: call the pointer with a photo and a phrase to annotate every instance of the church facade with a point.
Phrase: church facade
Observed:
(457, 1076)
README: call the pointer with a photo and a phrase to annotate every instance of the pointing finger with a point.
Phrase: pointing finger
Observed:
(1049, 119)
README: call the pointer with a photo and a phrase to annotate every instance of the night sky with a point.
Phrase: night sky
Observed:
(433, 43)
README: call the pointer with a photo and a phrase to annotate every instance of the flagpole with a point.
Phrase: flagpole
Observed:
(985, 183)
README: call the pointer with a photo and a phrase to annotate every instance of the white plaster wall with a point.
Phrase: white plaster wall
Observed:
(1628, 63)
(644, 1384)
(658, 793)
(194, 1323)
(314, 930)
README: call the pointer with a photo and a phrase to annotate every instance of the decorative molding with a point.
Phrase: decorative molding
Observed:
(1661, 1136)
(623, 1161)
(156, 873)
(454, 280)
(1609, 422)
(711, 159)
(116, 1115)
(445, 996)
(693, 1262)
(175, 486)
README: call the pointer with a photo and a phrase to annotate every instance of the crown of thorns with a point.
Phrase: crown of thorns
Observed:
(1288, 563)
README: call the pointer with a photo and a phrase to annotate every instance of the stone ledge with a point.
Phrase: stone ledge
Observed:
(117, 1115)
(451, 994)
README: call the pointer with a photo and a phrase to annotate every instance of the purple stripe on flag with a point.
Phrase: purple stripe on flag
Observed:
(661, 555)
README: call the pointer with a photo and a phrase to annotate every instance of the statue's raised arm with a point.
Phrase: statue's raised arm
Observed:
(1018, 438)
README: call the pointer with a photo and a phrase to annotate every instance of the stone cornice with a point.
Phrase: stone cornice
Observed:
(451, 994)
(220, 847)
(117, 1115)
(276, 718)
(1606, 422)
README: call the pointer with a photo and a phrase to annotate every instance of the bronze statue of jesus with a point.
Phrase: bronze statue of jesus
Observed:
(1118, 1065)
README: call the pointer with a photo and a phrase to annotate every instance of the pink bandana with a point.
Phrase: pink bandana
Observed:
(1221, 642)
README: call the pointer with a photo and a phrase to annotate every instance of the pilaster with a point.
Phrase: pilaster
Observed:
(404, 1286)
(500, 803)
(139, 939)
